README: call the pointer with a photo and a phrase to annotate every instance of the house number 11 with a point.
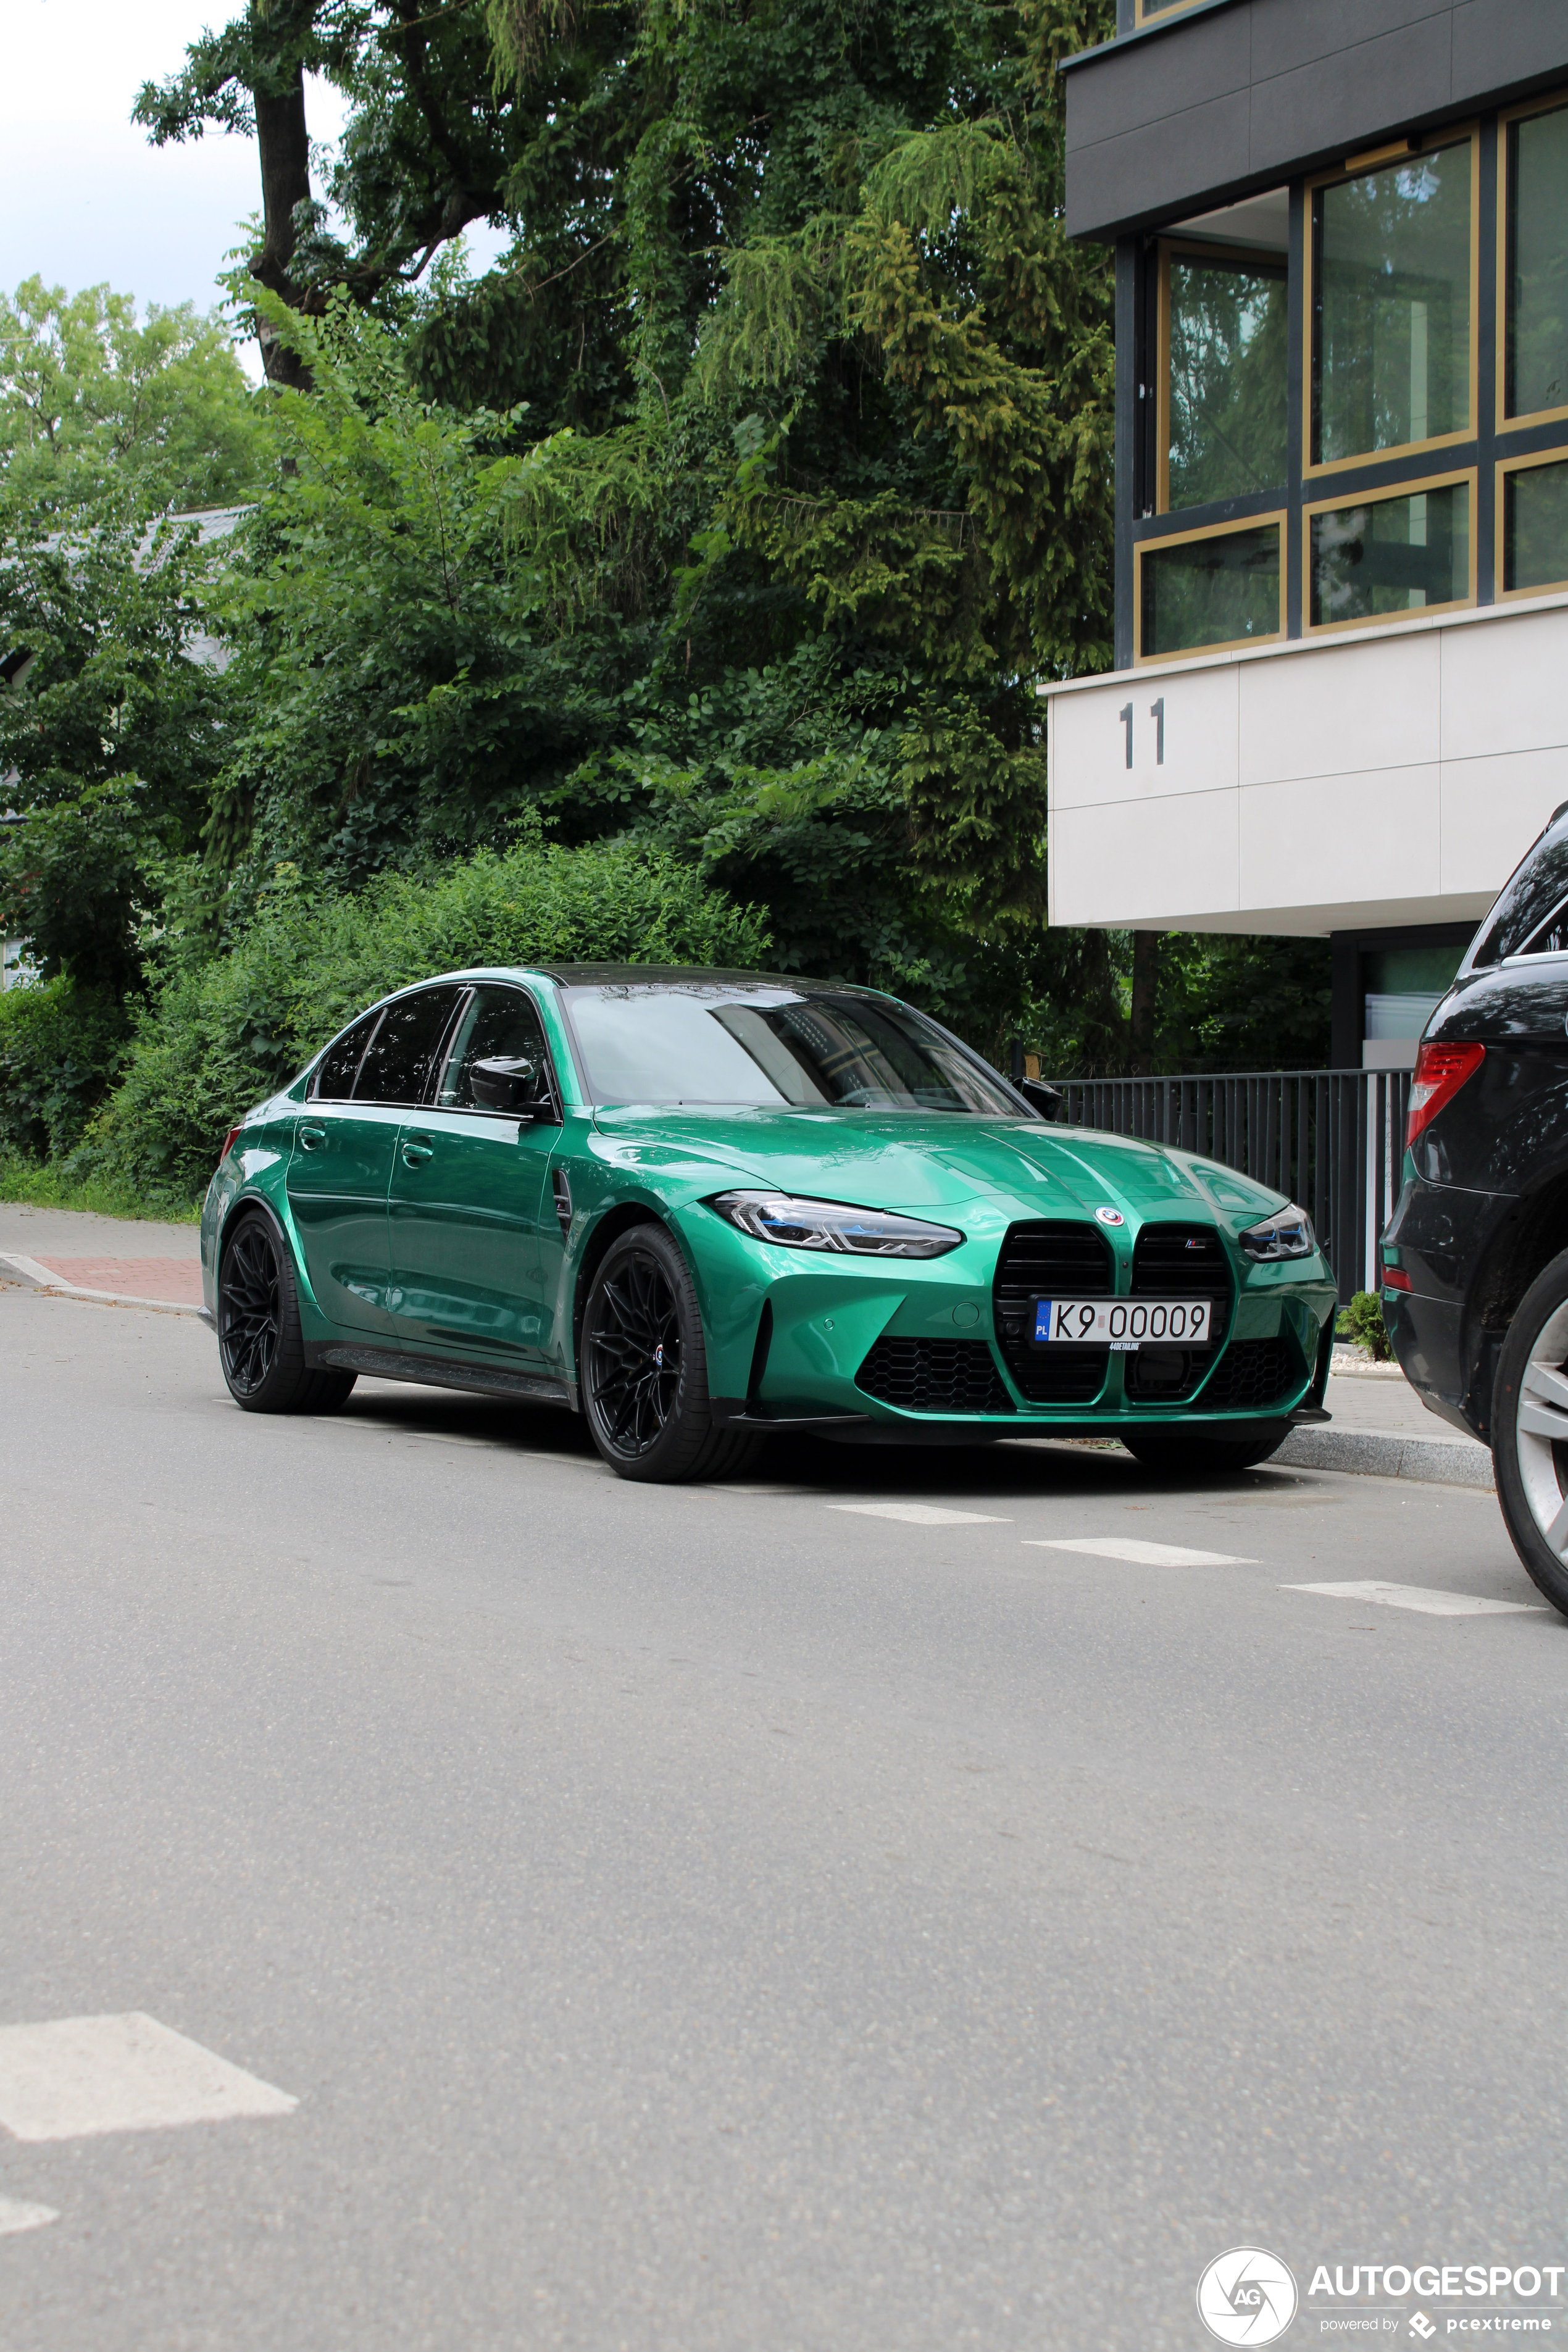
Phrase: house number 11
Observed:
(1157, 713)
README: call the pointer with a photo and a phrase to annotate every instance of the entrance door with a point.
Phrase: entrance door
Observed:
(345, 1141)
(465, 1196)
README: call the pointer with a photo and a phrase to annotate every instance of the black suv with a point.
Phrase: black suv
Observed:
(1475, 1259)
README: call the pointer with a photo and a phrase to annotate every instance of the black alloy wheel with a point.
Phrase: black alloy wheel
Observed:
(645, 1366)
(260, 1345)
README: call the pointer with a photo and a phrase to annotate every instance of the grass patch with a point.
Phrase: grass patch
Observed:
(44, 1185)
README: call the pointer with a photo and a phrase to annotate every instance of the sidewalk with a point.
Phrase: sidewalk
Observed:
(132, 1262)
(1380, 1426)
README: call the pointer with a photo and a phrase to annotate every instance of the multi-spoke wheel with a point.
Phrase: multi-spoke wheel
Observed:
(645, 1365)
(1530, 1432)
(260, 1346)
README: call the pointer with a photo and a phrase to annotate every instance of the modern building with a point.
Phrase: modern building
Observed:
(1340, 703)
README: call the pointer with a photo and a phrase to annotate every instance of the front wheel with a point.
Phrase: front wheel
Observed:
(645, 1366)
(1176, 1453)
(1530, 1432)
(259, 1342)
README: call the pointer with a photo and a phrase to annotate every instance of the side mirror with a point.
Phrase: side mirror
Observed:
(508, 1083)
(1045, 1100)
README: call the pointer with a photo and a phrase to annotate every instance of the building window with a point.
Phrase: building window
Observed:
(1224, 335)
(1150, 11)
(1534, 343)
(1401, 552)
(1532, 525)
(1393, 264)
(1210, 589)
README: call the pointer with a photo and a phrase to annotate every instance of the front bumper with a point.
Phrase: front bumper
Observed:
(914, 1345)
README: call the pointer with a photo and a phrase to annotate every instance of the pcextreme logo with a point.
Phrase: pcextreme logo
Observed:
(1247, 2297)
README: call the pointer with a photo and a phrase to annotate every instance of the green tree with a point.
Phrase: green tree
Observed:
(83, 384)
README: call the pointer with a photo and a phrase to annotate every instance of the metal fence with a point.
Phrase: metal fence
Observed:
(1331, 1140)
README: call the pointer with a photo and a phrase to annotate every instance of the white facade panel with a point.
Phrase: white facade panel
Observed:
(1342, 710)
(1127, 860)
(1384, 777)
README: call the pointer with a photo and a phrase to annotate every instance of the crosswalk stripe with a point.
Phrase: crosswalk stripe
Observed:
(1430, 1603)
(922, 1514)
(1142, 1555)
(77, 2075)
(14, 2215)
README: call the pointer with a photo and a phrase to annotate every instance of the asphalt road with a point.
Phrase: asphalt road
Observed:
(722, 1918)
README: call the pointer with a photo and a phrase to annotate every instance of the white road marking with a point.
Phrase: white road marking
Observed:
(14, 2215)
(1417, 1596)
(1143, 1555)
(923, 1515)
(77, 2076)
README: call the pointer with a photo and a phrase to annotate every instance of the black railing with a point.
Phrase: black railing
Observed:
(1331, 1140)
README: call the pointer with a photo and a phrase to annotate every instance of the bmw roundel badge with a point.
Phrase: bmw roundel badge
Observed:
(1111, 1216)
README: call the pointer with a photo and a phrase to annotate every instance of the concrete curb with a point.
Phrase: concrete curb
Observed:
(1385, 1454)
(39, 1277)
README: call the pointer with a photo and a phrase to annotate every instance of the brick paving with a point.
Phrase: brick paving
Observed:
(179, 1280)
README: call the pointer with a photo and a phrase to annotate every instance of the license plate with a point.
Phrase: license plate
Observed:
(1121, 1322)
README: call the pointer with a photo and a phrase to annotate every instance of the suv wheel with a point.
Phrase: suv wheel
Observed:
(1530, 1432)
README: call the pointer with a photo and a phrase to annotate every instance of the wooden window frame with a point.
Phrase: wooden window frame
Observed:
(1278, 516)
(1188, 248)
(1378, 159)
(1312, 630)
(1520, 465)
(1145, 14)
(1557, 101)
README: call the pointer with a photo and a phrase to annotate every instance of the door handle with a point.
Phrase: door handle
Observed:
(311, 1138)
(416, 1151)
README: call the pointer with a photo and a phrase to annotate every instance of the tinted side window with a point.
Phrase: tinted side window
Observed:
(334, 1081)
(1530, 917)
(501, 1022)
(397, 1068)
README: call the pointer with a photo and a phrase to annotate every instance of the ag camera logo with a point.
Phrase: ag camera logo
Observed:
(1247, 2297)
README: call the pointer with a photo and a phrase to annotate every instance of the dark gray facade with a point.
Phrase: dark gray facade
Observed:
(1238, 95)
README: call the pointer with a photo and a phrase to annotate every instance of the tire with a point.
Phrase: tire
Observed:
(1530, 1432)
(645, 1368)
(1176, 1453)
(260, 1346)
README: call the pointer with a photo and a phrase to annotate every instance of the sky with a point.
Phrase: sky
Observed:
(83, 197)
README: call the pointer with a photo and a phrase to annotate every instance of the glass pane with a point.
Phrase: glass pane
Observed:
(1405, 987)
(1391, 340)
(1227, 361)
(397, 1067)
(1526, 908)
(501, 1024)
(1537, 350)
(335, 1079)
(1535, 526)
(1392, 555)
(762, 1042)
(1208, 591)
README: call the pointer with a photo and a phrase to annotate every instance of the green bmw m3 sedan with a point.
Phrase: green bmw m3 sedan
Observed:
(701, 1207)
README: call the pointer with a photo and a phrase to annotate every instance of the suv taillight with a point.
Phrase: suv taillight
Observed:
(1440, 1072)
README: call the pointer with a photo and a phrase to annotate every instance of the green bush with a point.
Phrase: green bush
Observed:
(218, 1038)
(1361, 1323)
(61, 1048)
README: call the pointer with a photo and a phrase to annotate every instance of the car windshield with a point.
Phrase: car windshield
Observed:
(765, 1044)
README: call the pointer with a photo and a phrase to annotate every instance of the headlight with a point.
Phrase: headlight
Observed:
(833, 1226)
(1287, 1233)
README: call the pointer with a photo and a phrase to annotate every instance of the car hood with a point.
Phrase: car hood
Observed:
(926, 1161)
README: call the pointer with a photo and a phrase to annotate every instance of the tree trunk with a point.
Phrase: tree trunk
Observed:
(285, 145)
(1145, 991)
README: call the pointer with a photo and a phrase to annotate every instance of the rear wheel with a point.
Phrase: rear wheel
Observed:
(1178, 1453)
(645, 1368)
(259, 1342)
(1530, 1432)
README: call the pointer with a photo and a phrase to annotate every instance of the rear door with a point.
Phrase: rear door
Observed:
(464, 1198)
(345, 1141)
